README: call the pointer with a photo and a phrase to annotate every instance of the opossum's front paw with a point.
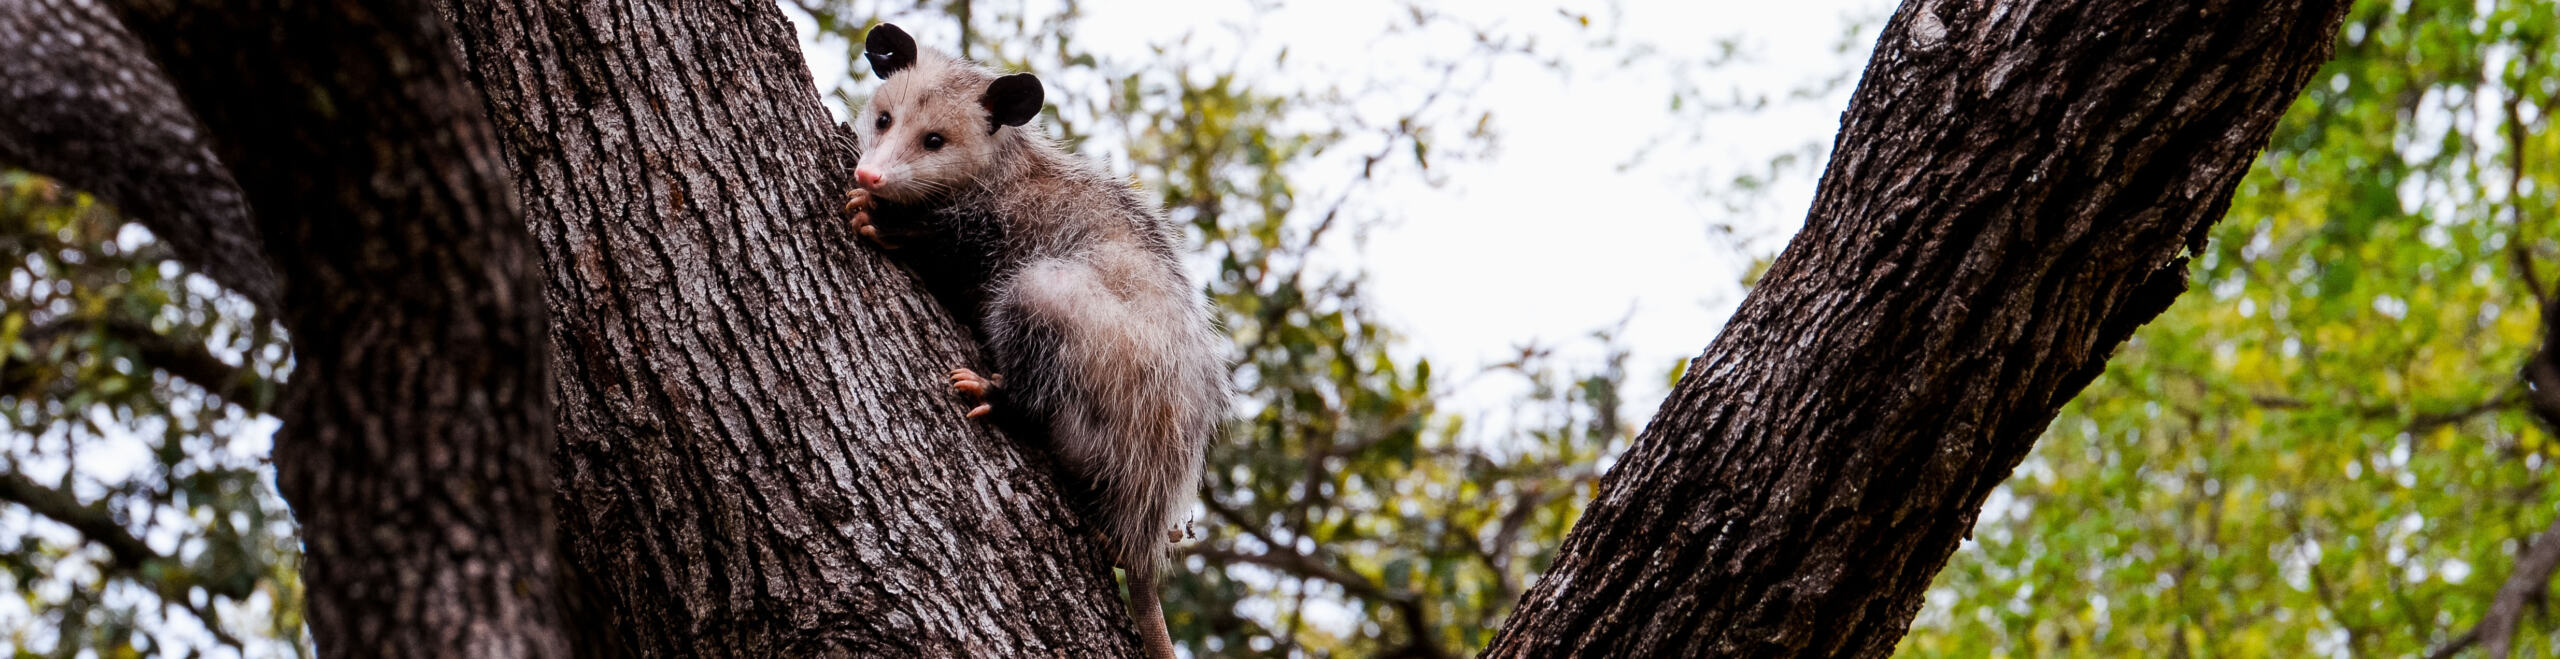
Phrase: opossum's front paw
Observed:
(978, 388)
(859, 204)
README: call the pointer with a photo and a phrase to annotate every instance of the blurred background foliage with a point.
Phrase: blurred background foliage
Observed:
(140, 517)
(2322, 449)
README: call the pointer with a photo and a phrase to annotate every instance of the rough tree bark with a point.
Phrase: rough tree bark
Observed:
(2011, 194)
(416, 438)
(760, 455)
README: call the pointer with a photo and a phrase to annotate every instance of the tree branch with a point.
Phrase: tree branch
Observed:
(2530, 582)
(128, 554)
(2420, 421)
(183, 356)
(2013, 193)
(1280, 556)
(85, 107)
(2527, 585)
(180, 355)
(1407, 603)
(100, 526)
(2468, 639)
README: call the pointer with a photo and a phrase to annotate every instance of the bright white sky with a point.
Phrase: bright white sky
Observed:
(1548, 238)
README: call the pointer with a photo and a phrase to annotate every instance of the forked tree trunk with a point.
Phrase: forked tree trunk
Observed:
(2014, 190)
(758, 457)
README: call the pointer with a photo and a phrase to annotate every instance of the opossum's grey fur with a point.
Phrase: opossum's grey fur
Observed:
(1081, 296)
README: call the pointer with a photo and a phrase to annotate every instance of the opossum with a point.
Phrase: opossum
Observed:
(1094, 330)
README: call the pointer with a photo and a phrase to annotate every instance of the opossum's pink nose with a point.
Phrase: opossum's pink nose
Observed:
(866, 177)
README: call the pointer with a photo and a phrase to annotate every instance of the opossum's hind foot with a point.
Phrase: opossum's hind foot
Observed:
(858, 203)
(978, 388)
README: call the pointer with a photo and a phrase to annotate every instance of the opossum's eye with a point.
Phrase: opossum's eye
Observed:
(933, 141)
(883, 123)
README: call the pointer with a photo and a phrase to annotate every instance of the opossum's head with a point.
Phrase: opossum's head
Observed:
(936, 123)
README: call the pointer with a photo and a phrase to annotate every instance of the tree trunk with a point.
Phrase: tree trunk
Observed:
(2011, 194)
(759, 454)
(416, 439)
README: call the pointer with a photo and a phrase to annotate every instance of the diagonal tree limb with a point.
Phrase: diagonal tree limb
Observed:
(2015, 189)
(2530, 582)
(2465, 641)
(127, 553)
(79, 102)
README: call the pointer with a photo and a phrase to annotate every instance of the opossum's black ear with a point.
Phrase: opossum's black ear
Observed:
(889, 49)
(1011, 101)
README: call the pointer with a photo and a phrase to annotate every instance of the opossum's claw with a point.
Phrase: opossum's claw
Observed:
(991, 380)
(977, 388)
(858, 202)
(873, 234)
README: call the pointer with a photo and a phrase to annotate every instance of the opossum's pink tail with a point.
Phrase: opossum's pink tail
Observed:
(1145, 606)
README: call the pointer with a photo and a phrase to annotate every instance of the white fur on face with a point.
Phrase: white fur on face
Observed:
(934, 96)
